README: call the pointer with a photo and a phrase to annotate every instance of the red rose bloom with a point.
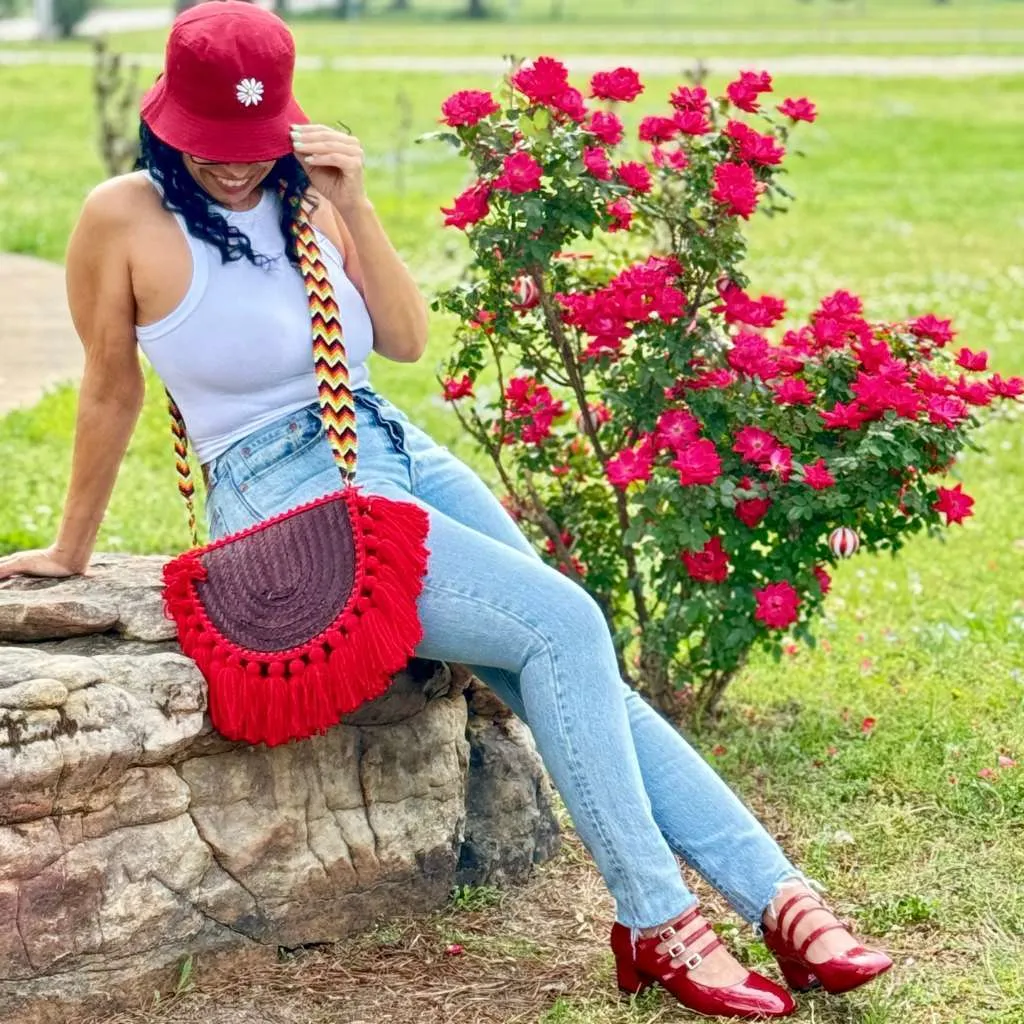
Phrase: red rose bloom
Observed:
(622, 215)
(792, 391)
(709, 380)
(973, 392)
(542, 80)
(520, 174)
(931, 328)
(676, 429)
(635, 175)
(823, 578)
(753, 146)
(817, 476)
(1011, 388)
(658, 129)
(597, 163)
(750, 511)
(755, 445)
(777, 604)
(932, 384)
(736, 188)
(692, 122)
(780, 462)
(469, 207)
(631, 464)
(687, 98)
(606, 126)
(872, 355)
(969, 360)
(468, 107)
(946, 410)
(570, 102)
(710, 564)
(622, 84)
(740, 308)
(954, 504)
(798, 110)
(840, 305)
(844, 417)
(751, 354)
(674, 159)
(744, 92)
(456, 389)
(698, 463)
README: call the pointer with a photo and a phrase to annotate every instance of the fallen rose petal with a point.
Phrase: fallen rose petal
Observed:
(454, 949)
(868, 724)
(986, 773)
(1006, 762)
(718, 750)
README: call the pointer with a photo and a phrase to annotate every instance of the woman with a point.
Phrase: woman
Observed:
(190, 259)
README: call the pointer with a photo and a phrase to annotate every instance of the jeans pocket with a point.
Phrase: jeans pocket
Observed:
(299, 476)
(266, 450)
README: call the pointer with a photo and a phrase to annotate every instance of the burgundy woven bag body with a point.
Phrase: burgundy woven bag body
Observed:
(302, 618)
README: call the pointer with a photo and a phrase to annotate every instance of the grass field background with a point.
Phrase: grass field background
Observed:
(911, 192)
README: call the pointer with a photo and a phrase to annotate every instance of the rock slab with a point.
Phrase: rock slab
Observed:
(132, 835)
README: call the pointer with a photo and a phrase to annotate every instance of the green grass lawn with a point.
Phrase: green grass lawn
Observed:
(911, 192)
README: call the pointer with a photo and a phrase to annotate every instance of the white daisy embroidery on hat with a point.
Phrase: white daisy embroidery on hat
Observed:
(249, 92)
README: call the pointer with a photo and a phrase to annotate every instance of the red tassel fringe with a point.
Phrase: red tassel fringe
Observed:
(273, 698)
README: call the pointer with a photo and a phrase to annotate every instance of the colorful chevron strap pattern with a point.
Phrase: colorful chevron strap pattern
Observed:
(336, 403)
(330, 363)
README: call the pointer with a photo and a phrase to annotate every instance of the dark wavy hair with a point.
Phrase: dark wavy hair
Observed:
(183, 195)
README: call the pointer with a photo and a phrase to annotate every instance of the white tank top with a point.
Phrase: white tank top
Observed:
(237, 352)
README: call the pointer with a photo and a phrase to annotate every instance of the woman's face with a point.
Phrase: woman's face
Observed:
(235, 186)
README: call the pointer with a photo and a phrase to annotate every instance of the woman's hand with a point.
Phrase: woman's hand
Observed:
(43, 562)
(334, 163)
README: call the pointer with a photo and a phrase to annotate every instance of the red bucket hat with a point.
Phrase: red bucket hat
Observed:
(226, 90)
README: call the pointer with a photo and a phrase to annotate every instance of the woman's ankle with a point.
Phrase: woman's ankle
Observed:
(784, 892)
(672, 922)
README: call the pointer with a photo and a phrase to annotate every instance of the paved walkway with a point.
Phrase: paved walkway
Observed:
(38, 345)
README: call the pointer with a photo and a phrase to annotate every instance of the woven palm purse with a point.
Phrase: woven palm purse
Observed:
(302, 618)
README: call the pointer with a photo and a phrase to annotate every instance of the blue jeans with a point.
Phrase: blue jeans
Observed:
(637, 792)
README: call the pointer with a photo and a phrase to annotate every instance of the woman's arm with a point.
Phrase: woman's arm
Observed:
(110, 396)
(334, 161)
(395, 303)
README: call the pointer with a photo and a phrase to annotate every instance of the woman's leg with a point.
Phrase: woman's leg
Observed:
(700, 817)
(485, 603)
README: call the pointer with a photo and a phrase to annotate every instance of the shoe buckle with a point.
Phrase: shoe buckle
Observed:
(694, 960)
(667, 934)
(676, 949)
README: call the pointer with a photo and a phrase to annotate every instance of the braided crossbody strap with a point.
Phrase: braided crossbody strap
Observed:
(330, 362)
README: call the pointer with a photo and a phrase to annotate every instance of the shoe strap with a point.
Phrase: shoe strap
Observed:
(780, 919)
(694, 959)
(668, 933)
(679, 948)
(797, 918)
(817, 934)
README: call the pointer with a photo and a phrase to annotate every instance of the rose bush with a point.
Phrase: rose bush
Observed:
(673, 442)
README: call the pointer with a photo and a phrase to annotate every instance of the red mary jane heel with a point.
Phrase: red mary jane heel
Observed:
(842, 973)
(754, 998)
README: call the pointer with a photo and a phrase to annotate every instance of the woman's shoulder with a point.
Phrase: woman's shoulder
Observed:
(121, 201)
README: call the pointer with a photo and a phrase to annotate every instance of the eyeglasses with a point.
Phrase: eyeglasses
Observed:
(220, 163)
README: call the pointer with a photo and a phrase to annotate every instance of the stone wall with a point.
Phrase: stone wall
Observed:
(132, 835)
